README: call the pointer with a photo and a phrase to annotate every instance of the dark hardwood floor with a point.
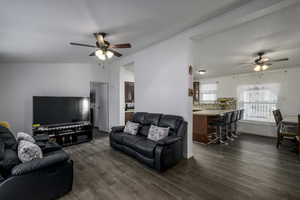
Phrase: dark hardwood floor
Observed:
(250, 168)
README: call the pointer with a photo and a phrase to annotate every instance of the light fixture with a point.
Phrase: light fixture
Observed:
(109, 54)
(257, 68)
(202, 71)
(265, 67)
(100, 54)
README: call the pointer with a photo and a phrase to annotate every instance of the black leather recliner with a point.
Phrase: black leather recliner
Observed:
(159, 155)
(43, 179)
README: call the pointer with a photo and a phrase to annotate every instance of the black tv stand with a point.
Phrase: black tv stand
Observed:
(67, 134)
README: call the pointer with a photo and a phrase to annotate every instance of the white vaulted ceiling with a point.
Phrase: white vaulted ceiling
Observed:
(277, 33)
(40, 31)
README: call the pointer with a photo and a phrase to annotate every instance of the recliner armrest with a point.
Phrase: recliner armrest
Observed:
(41, 138)
(38, 164)
(169, 140)
(117, 129)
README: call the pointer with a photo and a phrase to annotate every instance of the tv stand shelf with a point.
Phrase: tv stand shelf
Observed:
(67, 134)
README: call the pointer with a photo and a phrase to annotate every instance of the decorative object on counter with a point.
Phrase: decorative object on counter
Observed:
(226, 103)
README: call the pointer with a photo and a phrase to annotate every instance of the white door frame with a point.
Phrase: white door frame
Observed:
(94, 84)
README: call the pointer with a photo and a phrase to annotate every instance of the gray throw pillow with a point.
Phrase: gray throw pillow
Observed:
(25, 136)
(28, 151)
(157, 133)
(131, 128)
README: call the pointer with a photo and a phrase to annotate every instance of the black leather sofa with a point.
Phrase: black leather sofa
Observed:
(159, 155)
(43, 179)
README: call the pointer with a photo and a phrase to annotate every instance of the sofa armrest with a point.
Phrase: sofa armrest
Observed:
(168, 140)
(41, 138)
(38, 164)
(117, 129)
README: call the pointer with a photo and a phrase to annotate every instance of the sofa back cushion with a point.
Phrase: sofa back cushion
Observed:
(139, 117)
(146, 120)
(171, 121)
(144, 130)
(8, 138)
(152, 119)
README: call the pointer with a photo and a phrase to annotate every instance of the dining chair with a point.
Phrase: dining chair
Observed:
(284, 131)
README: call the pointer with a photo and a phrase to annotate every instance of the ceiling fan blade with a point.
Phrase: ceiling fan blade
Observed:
(126, 45)
(115, 52)
(83, 45)
(279, 60)
(92, 54)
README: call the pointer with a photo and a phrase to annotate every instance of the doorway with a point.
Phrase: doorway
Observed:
(127, 88)
(99, 97)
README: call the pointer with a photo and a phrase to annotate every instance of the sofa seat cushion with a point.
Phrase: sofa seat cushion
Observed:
(146, 147)
(117, 137)
(131, 140)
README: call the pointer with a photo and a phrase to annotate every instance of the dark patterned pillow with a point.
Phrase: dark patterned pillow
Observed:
(131, 128)
(157, 133)
(28, 151)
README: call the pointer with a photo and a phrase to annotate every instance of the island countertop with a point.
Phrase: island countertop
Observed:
(211, 112)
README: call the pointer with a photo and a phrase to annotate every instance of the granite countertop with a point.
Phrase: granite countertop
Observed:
(211, 112)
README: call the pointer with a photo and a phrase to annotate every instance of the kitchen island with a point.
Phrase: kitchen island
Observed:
(202, 131)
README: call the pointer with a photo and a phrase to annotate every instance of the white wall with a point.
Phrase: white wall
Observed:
(162, 80)
(289, 94)
(19, 82)
(126, 74)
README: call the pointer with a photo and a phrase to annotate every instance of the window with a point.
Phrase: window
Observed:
(258, 101)
(208, 92)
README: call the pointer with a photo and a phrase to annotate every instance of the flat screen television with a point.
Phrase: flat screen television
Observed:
(60, 110)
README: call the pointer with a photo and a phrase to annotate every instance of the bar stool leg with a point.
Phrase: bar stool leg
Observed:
(228, 130)
(221, 136)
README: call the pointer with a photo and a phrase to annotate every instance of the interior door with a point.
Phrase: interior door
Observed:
(102, 111)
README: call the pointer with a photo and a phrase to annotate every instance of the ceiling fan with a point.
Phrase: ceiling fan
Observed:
(262, 62)
(104, 50)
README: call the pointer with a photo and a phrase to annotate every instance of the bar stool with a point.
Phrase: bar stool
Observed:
(219, 124)
(227, 127)
(240, 117)
(233, 127)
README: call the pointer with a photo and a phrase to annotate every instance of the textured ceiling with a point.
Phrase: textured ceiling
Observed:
(40, 31)
(277, 34)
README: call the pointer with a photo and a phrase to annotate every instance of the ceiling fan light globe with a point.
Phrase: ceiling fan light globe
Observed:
(99, 52)
(109, 54)
(102, 57)
(265, 67)
(257, 68)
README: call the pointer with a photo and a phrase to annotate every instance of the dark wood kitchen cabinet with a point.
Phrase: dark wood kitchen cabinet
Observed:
(129, 92)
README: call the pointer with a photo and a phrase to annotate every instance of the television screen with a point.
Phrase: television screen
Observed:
(58, 110)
